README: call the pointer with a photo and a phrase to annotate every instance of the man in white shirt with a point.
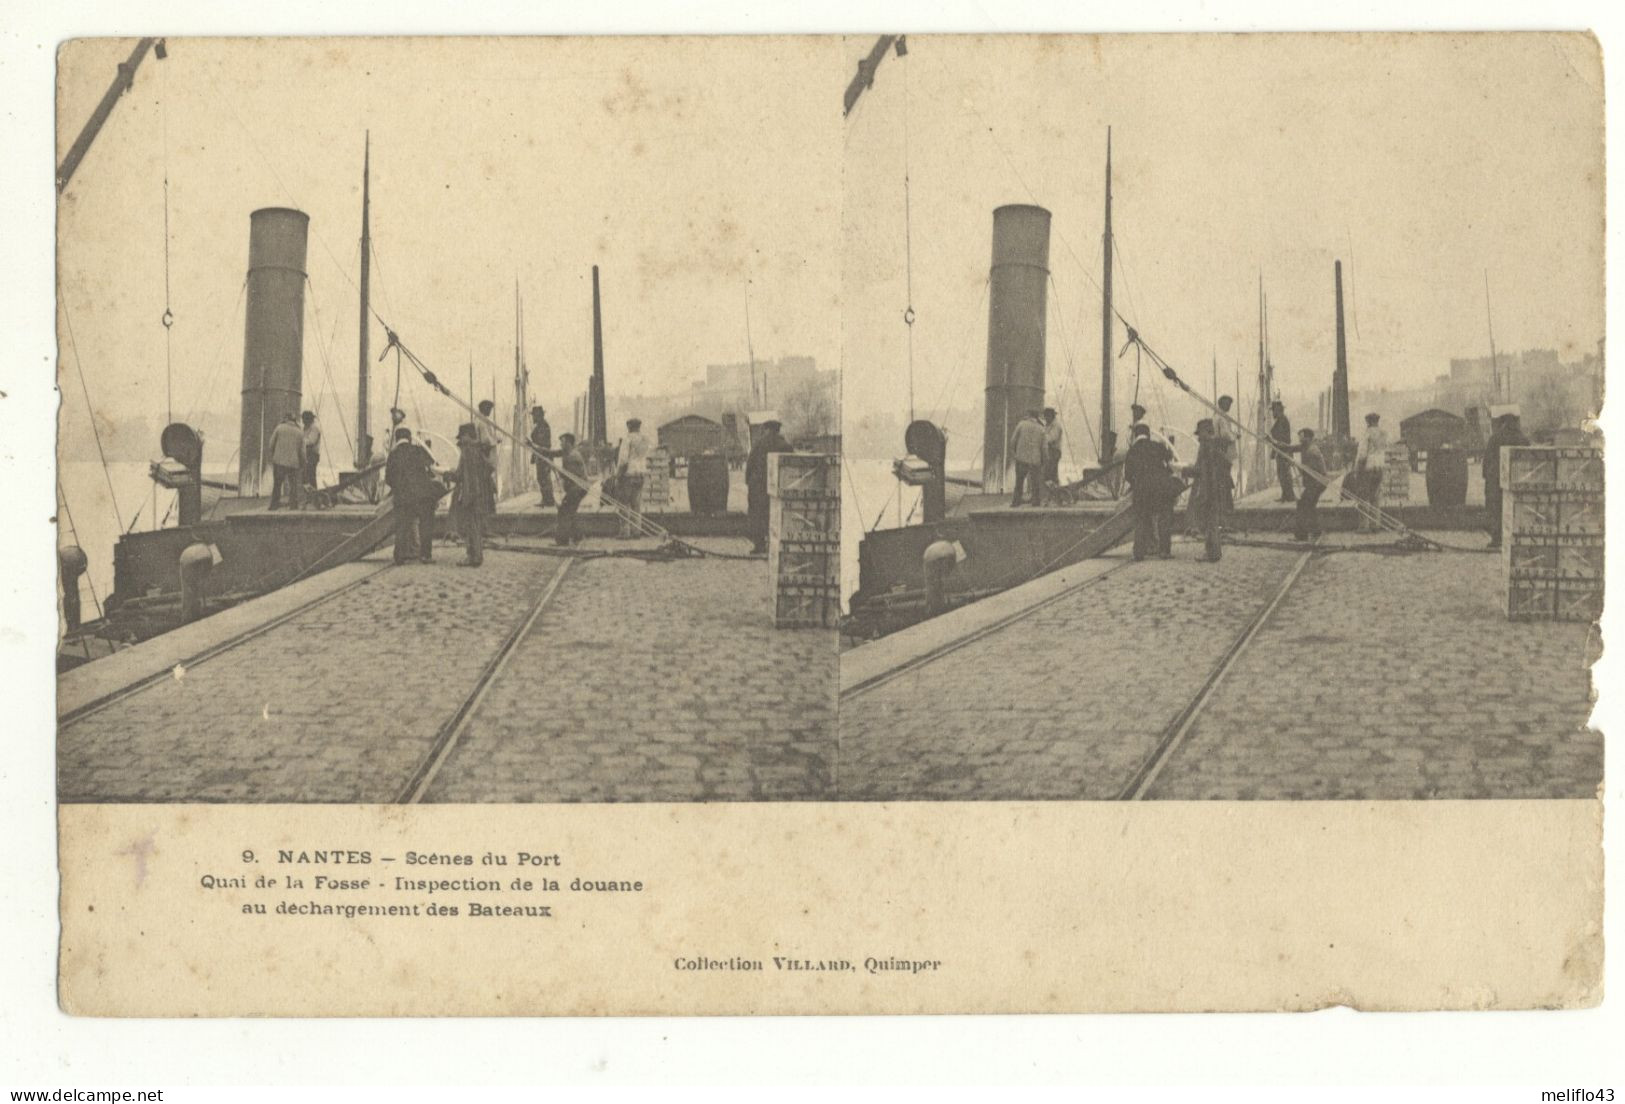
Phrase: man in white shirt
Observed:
(1224, 431)
(313, 447)
(1137, 417)
(634, 464)
(1368, 464)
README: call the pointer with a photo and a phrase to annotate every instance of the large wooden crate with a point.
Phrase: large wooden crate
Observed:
(1396, 474)
(806, 606)
(657, 480)
(804, 519)
(803, 475)
(1538, 556)
(1545, 470)
(1554, 600)
(812, 562)
(1552, 512)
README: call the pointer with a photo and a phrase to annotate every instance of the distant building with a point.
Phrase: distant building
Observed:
(692, 435)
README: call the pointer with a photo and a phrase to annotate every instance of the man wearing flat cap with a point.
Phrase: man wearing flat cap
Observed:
(756, 498)
(541, 438)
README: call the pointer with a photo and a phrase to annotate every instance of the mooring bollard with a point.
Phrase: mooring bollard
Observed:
(196, 563)
(939, 559)
(72, 562)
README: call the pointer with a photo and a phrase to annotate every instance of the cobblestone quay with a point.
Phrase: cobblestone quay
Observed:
(1377, 677)
(638, 681)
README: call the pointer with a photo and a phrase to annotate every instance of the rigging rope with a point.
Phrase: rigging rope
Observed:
(67, 317)
(1367, 510)
(625, 513)
(67, 510)
(908, 245)
(169, 315)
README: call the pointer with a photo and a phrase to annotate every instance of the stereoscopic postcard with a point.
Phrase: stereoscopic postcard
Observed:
(868, 524)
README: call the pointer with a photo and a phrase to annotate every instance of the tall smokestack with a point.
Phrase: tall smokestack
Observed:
(600, 423)
(273, 335)
(1340, 377)
(1017, 286)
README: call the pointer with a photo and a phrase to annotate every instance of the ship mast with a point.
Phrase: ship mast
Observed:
(1108, 439)
(363, 443)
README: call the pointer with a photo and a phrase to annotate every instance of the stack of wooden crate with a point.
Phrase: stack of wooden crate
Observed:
(804, 539)
(1396, 474)
(1552, 533)
(657, 481)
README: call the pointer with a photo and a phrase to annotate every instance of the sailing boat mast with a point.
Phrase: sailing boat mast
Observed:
(363, 443)
(1495, 361)
(750, 351)
(1108, 438)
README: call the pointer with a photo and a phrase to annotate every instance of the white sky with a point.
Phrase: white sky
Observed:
(1421, 162)
(682, 168)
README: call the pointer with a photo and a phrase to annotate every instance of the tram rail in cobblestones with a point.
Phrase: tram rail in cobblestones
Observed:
(448, 735)
(217, 649)
(1174, 735)
(952, 646)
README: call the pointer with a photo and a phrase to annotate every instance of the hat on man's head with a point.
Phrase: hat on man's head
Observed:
(537, 412)
(1142, 430)
(467, 432)
(1277, 405)
(634, 424)
(403, 434)
(1372, 419)
(1225, 401)
(1049, 412)
(1205, 423)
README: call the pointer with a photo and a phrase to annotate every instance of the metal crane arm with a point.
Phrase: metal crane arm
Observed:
(121, 84)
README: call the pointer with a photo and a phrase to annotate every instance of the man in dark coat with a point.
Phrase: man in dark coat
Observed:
(410, 475)
(1506, 434)
(1212, 472)
(573, 464)
(1281, 434)
(1306, 521)
(1146, 470)
(475, 497)
(756, 497)
(541, 436)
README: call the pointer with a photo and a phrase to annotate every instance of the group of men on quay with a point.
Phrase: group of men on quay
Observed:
(1156, 476)
(416, 484)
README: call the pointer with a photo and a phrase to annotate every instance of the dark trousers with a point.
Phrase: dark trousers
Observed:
(1283, 472)
(544, 476)
(414, 530)
(1306, 522)
(1032, 476)
(474, 536)
(284, 477)
(1492, 511)
(567, 531)
(757, 507)
(312, 455)
(1212, 517)
(1150, 535)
